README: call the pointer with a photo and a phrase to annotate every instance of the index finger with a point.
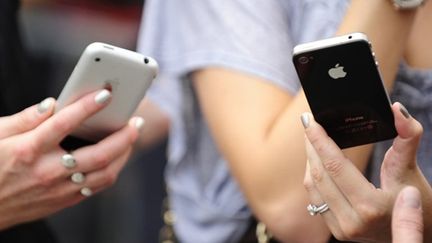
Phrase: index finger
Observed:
(57, 127)
(27, 119)
(342, 171)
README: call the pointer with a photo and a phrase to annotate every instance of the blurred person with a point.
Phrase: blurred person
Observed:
(37, 176)
(234, 148)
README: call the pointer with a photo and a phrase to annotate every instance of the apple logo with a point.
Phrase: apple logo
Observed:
(111, 84)
(337, 72)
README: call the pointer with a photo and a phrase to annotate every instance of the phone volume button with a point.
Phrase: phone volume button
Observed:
(374, 57)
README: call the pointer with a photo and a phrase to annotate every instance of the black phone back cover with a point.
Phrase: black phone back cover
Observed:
(345, 93)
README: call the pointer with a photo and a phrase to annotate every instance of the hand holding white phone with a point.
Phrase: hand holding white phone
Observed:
(125, 73)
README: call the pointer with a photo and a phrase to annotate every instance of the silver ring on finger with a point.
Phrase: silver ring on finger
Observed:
(68, 161)
(314, 209)
(86, 192)
(77, 177)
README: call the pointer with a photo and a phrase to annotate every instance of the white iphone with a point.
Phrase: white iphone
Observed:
(126, 73)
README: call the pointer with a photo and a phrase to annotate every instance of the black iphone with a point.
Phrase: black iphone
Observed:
(344, 89)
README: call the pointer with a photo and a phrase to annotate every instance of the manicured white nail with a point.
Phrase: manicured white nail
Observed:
(137, 122)
(103, 96)
(45, 105)
(305, 120)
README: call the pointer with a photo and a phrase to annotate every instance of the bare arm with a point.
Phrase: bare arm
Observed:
(256, 125)
(387, 28)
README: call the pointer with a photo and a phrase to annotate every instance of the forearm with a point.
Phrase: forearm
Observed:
(262, 141)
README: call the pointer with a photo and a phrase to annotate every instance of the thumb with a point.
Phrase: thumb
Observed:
(409, 130)
(401, 157)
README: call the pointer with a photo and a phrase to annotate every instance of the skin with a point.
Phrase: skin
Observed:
(359, 211)
(417, 55)
(262, 144)
(407, 221)
(156, 127)
(33, 182)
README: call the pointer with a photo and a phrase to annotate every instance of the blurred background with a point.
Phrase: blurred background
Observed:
(55, 32)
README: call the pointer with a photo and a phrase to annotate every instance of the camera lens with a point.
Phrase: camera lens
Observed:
(303, 60)
(146, 60)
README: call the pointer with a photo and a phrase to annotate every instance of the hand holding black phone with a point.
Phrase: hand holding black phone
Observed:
(344, 89)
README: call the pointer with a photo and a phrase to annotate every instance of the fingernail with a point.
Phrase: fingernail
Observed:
(411, 198)
(404, 111)
(45, 105)
(102, 97)
(305, 120)
(138, 123)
